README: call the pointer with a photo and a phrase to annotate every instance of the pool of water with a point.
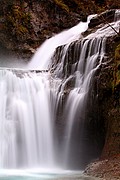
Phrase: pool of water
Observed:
(43, 175)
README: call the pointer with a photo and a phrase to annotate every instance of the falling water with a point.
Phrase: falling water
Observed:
(41, 60)
(26, 138)
(89, 61)
(30, 101)
(85, 58)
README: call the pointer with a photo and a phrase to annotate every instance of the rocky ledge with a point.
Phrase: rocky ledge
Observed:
(107, 169)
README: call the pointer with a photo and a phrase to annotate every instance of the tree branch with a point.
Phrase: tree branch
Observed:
(118, 33)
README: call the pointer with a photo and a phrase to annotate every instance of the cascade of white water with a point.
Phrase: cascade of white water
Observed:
(92, 52)
(109, 29)
(90, 59)
(26, 124)
(117, 15)
(42, 58)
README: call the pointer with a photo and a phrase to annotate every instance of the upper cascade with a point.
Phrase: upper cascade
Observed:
(42, 58)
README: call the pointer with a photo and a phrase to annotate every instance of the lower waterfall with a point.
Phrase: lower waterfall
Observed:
(43, 114)
(26, 122)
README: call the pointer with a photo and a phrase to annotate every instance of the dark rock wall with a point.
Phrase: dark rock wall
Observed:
(107, 88)
(110, 101)
(108, 82)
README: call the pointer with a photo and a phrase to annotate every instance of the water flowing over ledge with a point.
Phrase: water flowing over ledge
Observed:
(30, 103)
(46, 51)
(42, 58)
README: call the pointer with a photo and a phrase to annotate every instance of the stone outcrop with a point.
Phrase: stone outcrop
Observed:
(107, 85)
(108, 169)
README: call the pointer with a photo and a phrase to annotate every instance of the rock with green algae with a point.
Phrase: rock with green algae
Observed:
(117, 67)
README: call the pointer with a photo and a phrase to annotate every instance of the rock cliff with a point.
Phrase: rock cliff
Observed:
(107, 85)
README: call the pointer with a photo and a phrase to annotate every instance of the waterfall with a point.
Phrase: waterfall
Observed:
(26, 135)
(41, 60)
(43, 114)
(90, 59)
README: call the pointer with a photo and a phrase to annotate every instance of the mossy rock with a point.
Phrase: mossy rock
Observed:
(117, 53)
(117, 65)
(18, 21)
(62, 5)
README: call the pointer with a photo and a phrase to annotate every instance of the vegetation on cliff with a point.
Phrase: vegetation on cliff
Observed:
(24, 25)
(87, 7)
(18, 21)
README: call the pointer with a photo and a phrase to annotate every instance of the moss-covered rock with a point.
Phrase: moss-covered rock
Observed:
(62, 5)
(117, 67)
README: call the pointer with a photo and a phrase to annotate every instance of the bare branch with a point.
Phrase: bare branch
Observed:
(118, 33)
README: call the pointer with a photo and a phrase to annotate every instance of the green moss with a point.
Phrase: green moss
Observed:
(87, 6)
(62, 5)
(117, 65)
(18, 21)
(117, 53)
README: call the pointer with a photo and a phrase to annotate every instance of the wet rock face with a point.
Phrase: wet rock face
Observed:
(103, 18)
(109, 99)
(108, 83)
